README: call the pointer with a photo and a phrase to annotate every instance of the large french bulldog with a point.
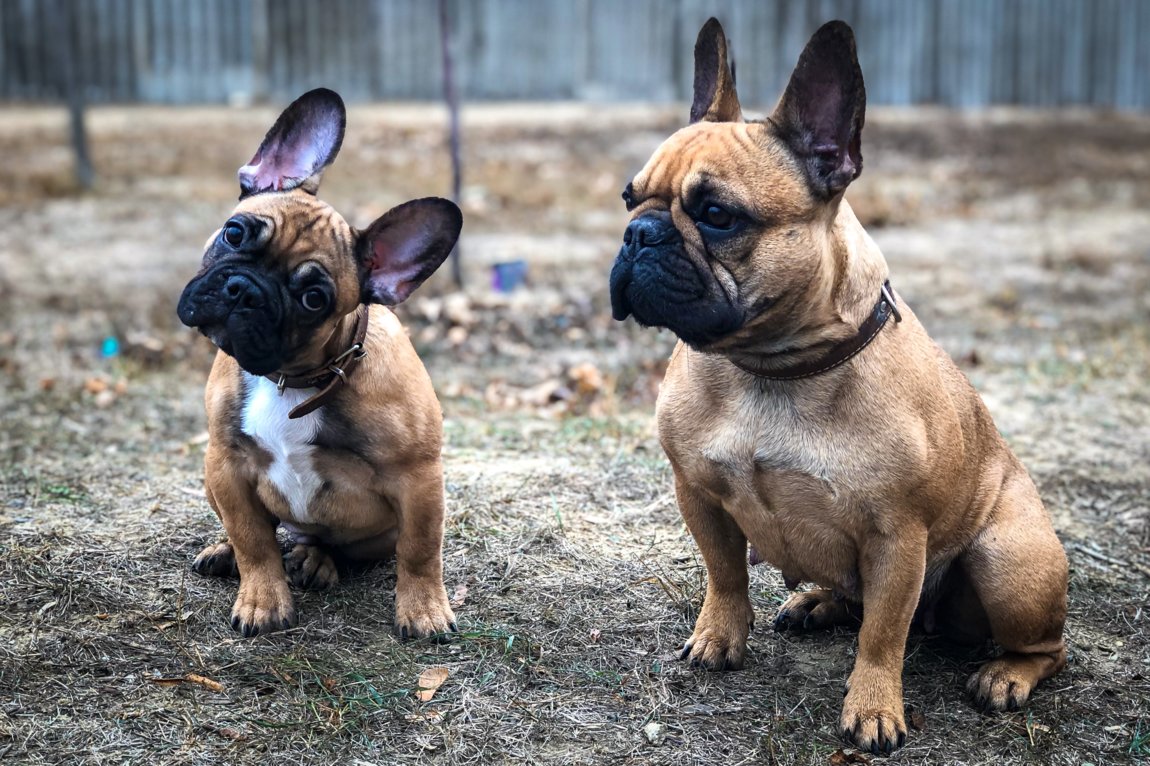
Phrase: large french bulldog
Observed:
(321, 417)
(806, 411)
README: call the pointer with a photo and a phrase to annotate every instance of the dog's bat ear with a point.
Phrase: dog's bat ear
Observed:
(405, 246)
(715, 96)
(821, 113)
(303, 141)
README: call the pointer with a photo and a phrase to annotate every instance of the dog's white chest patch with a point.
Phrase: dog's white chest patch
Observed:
(289, 441)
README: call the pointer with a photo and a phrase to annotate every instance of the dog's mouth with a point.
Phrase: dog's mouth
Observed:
(620, 283)
(253, 352)
(665, 289)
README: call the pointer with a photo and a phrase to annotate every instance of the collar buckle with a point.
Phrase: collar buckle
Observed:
(888, 296)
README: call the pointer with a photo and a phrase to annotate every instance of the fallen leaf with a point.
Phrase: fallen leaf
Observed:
(842, 757)
(330, 684)
(653, 732)
(917, 720)
(586, 377)
(204, 681)
(429, 682)
(95, 385)
(190, 678)
(459, 595)
(596, 634)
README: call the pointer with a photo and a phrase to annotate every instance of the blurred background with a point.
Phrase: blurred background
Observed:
(1007, 181)
(962, 53)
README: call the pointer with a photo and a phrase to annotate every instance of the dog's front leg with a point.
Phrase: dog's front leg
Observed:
(892, 567)
(264, 603)
(421, 607)
(720, 638)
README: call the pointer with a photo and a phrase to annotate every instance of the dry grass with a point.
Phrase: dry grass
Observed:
(574, 578)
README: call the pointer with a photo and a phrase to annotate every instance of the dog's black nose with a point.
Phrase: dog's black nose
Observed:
(242, 292)
(651, 229)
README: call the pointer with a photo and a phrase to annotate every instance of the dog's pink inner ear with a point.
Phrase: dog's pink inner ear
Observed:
(822, 111)
(405, 246)
(304, 140)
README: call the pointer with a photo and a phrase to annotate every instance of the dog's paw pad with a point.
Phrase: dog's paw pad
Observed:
(217, 560)
(310, 567)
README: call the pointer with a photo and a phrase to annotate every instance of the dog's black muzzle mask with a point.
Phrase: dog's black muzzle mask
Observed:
(241, 311)
(656, 281)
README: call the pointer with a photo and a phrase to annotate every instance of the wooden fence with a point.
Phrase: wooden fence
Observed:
(963, 53)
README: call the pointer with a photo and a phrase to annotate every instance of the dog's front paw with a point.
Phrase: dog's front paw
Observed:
(812, 610)
(263, 606)
(872, 716)
(217, 560)
(720, 638)
(310, 567)
(421, 610)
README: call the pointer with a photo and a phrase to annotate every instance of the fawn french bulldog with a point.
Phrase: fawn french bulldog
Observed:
(321, 416)
(805, 410)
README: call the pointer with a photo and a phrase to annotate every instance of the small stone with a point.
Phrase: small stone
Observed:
(653, 732)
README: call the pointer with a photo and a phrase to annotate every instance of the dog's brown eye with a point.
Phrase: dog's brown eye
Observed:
(717, 217)
(234, 234)
(313, 299)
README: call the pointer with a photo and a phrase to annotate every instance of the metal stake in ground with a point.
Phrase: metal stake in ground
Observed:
(451, 96)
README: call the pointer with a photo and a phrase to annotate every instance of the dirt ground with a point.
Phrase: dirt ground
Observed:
(1021, 239)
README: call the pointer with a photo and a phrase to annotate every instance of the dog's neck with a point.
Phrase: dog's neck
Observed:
(858, 270)
(319, 355)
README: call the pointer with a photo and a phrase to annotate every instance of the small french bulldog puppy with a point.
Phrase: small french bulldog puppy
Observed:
(806, 412)
(321, 416)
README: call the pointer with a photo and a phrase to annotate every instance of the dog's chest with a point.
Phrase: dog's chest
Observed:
(795, 484)
(767, 436)
(289, 442)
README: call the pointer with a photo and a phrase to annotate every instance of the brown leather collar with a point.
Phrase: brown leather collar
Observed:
(842, 351)
(330, 377)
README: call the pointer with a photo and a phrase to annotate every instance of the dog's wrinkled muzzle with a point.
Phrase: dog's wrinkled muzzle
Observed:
(656, 280)
(239, 312)
(649, 243)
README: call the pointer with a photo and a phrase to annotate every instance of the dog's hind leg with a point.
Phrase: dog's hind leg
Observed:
(719, 641)
(216, 560)
(310, 567)
(1019, 571)
(815, 609)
